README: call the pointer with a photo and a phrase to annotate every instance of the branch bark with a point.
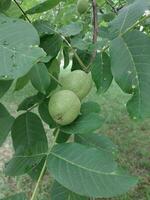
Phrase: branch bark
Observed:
(24, 14)
(95, 30)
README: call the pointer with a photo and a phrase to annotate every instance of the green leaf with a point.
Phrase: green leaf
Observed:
(43, 27)
(131, 70)
(44, 114)
(62, 137)
(101, 72)
(40, 78)
(79, 43)
(51, 44)
(71, 29)
(84, 124)
(20, 196)
(87, 171)
(85, 57)
(18, 47)
(35, 172)
(21, 82)
(21, 32)
(4, 86)
(13, 11)
(98, 141)
(58, 192)
(128, 16)
(4, 5)
(29, 127)
(54, 69)
(108, 17)
(90, 107)
(45, 6)
(22, 164)
(28, 102)
(6, 122)
(30, 144)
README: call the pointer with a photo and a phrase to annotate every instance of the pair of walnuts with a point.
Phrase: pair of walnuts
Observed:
(64, 105)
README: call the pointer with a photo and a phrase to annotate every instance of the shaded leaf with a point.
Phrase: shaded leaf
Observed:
(71, 29)
(40, 78)
(44, 113)
(51, 44)
(101, 72)
(21, 82)
(84, 56)
(6, 122)
(28, 102)
(4, 5)
(30, 144)
(79, 43)
(62, 137)
(43, 27)
(4, 86)
(22, 164)
(29, 127)
(66, 56)
(54, 69)
(35, 172)
(45, 6)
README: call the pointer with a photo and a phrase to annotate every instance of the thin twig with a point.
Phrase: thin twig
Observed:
(112, 7)
(95, 30)
(69, 45)
(75, 53)
(24, 14)
(55, 79)
(44, 168)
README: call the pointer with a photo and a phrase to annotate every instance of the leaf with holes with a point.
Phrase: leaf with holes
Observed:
(19, 49)
(127, 17)
(101, 72)
(131, 70)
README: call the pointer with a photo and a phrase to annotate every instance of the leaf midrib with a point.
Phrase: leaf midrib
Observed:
(87, 169)
(136, 72)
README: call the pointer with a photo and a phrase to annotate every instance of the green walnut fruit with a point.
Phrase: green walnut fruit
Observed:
(64, 107)
(82, 6)
(77, 81)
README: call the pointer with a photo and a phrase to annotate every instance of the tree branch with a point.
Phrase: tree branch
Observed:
(24, 14)
(95, 30)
